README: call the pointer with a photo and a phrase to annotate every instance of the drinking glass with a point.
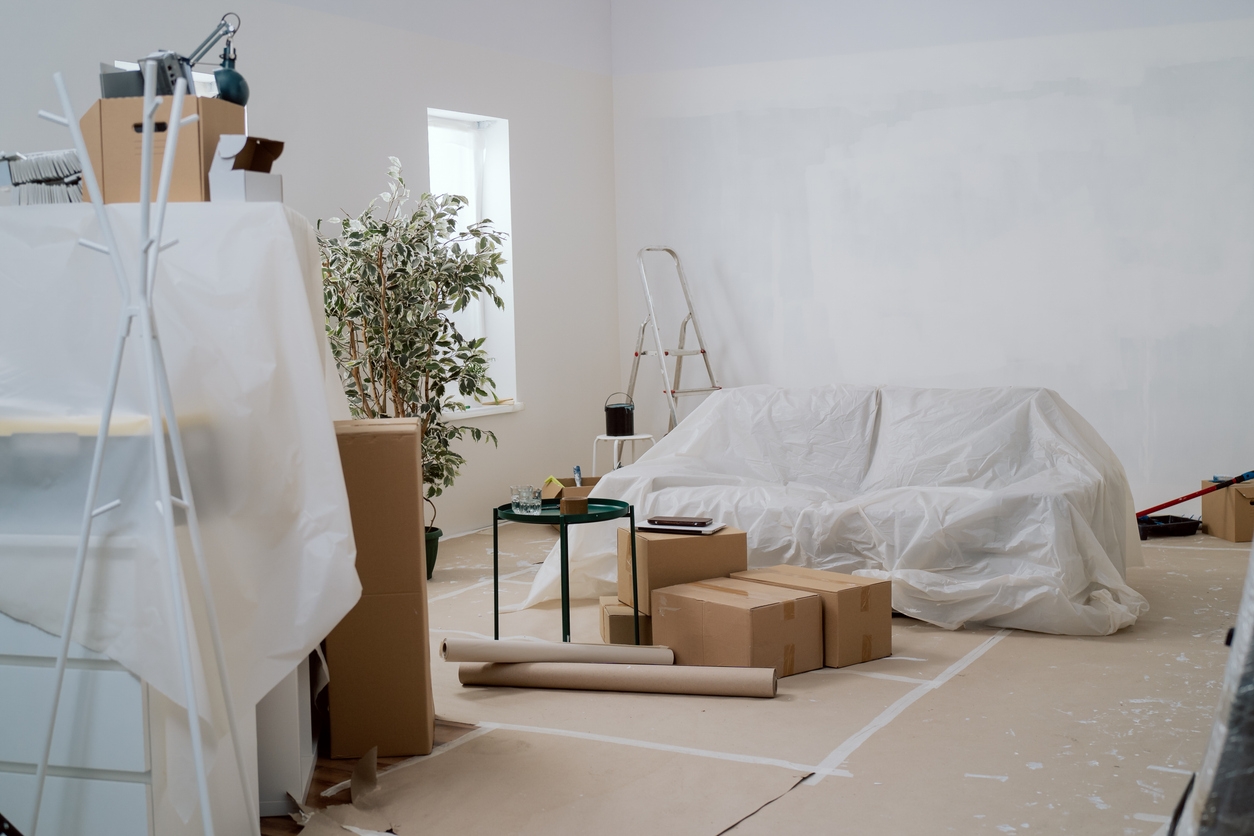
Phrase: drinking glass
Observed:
(516, 498)
(530, 498)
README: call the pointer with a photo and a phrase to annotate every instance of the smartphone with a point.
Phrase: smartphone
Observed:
(695, 522)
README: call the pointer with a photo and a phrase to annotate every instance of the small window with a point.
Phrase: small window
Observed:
(469, 156)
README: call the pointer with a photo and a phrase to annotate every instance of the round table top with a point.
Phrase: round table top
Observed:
(598, 510)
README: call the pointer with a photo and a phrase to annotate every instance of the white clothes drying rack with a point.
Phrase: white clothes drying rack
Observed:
(672, 392)
(137, 292)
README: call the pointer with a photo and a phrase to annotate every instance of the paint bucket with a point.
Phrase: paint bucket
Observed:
(620, 418)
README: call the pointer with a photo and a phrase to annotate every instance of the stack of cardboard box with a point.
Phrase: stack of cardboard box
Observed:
(379, 656)
(665, 560)
(698, 597)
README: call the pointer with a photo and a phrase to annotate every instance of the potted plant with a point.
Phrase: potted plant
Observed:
(392, 278)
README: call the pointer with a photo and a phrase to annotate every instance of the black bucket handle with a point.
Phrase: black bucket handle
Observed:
(630, 402)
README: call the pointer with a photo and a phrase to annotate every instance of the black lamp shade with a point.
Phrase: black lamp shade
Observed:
(231, 85)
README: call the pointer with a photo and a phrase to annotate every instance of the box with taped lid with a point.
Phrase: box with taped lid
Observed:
(734, 623)
(1229, 513)
(857, 612)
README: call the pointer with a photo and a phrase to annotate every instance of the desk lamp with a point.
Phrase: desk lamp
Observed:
(231, 85)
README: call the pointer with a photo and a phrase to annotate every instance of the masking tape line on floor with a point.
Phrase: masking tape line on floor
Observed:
(892, 677)
(666, 747)
(842, 752)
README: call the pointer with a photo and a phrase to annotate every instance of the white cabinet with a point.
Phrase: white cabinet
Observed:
(99, 773)
(285, 743)
(100, 770)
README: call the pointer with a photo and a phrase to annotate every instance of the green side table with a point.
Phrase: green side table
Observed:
(599, 510)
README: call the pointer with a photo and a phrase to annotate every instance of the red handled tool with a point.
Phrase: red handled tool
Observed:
(1244, 477)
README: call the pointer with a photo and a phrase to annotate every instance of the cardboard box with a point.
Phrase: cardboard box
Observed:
(380, 685)
(670, 559)
(734, 623)
(1229, 513)
(618, 625)
(568, 489)
(240, 172)
(379, 656)
(857, 612)
(112, 132)
(572, 505)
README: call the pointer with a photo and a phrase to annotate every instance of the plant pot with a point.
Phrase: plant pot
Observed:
(433, 546)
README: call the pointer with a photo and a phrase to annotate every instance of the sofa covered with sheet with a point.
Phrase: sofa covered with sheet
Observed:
(1000, 506)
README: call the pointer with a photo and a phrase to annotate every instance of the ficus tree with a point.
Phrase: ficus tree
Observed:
(392, 279)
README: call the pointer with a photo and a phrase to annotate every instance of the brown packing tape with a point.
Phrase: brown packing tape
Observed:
(866, 647)
(790, 659)
(487, 650)
(865, 599)
(645, 679)
(790, 611)
(728, 589)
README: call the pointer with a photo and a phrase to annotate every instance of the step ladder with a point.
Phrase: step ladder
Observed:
(673, 391)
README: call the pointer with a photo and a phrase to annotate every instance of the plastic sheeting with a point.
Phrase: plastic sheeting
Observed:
(991, 505)
(239, 312)
(1221, 802)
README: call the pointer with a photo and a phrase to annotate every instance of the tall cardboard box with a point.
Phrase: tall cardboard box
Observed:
(1229, 513)
(379, 656)
(112, 130)
(857, 612)
(618, 624)
(734, 623)
(669, 559)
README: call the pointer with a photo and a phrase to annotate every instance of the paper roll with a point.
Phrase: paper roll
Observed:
(486, 650)
(647, 679)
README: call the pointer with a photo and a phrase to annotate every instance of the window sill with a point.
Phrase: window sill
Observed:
(481, 411)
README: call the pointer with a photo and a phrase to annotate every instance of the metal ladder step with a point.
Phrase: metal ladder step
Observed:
(673, 391)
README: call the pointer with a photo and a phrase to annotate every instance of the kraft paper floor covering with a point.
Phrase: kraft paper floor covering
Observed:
(973, 731)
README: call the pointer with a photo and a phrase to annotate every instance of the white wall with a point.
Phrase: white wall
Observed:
(346, 93)
(958, 194)
(1070, 211)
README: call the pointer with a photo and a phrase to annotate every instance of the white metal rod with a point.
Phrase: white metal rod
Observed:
(52, 117)
(202, 568)
(80, 560)
(145, 153)
(148, 336)
(163, 186)
(104, 509)
(92, 245)
(657, 334)
(692, 313)
(93, 189)
(124, 327)
(175, 569)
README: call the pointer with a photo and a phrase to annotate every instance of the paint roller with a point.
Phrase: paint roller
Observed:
(1218, 486)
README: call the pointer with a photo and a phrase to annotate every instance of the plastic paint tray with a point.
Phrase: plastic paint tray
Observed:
(1167, 525)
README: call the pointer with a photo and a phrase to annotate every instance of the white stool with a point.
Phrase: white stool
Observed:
(618, 447)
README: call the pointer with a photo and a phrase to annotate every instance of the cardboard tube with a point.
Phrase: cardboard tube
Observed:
(646, 679)
(487, 650)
